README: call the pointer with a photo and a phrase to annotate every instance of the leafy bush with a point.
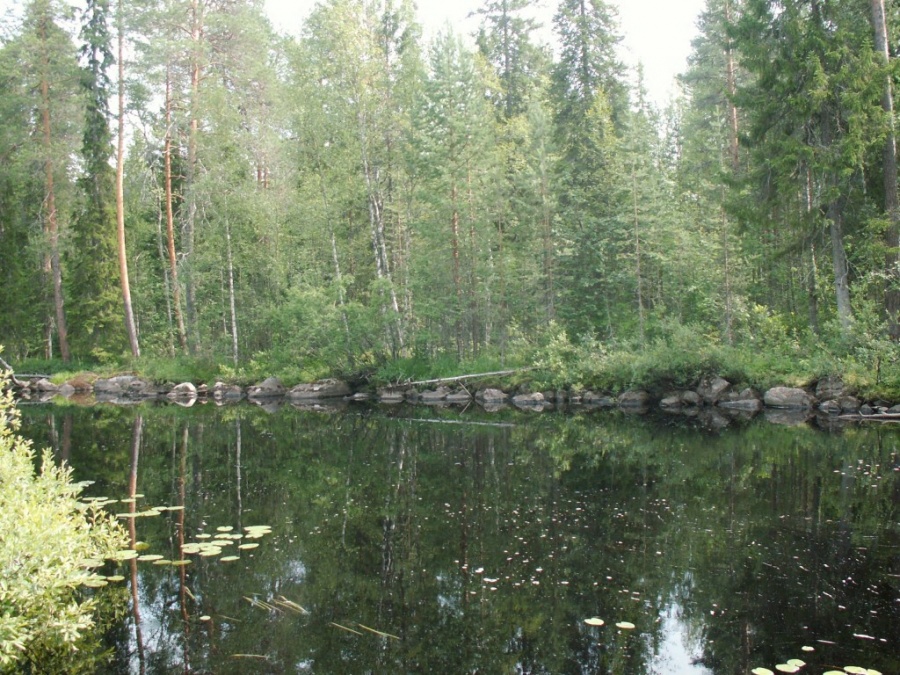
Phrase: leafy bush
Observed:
(49, 540)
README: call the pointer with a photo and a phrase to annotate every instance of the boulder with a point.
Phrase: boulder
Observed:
(849, 404)
(598, 400)
(831, 407)
(893, 410)
(66, 390)
(322, 389)
(360, 396)
(712, 388)
(222, 391)
(269, 388)
(830, 388)
(788, 397)
(434, 395)
(461, 396)
(491, 396)
(866, 409)
(125, 385)
(528, 400)
(44, 385)
(671, 402)
(691, 398)
(635, 398)
(391, 395)
(185, 390)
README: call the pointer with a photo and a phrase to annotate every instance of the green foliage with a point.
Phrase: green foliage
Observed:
(49, 540)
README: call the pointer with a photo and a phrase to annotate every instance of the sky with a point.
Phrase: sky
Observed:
(657, 33)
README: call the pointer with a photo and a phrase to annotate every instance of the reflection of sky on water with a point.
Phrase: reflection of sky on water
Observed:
(676, 654)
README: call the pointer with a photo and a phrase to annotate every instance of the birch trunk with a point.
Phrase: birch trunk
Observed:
(130, 326)
(51, 222)
(891, 200)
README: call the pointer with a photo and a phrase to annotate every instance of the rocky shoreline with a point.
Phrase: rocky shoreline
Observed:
(713, 397)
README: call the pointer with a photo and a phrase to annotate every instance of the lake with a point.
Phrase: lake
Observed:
(428, 540)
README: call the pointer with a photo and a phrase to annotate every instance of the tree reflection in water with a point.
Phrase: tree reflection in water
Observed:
(403, 545)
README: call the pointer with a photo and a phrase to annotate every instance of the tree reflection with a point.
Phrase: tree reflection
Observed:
(413, 546)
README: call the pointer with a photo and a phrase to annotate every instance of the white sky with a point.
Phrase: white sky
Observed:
(657, 33)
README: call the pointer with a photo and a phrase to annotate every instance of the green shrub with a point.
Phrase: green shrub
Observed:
(49, 540)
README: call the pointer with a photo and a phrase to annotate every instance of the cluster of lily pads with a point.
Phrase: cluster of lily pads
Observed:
(794, 666)
(594, 621)
(207, 545)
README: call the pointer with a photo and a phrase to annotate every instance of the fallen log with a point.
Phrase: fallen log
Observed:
(12, 375)
(460, 378)
(880, 417)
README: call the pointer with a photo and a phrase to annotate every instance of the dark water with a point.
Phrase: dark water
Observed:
(478, 543)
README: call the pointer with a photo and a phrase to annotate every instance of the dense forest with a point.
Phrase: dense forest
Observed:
(180, 181)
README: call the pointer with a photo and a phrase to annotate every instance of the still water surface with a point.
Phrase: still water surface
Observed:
(418, 540)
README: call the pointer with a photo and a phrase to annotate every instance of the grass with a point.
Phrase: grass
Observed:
(870, 367)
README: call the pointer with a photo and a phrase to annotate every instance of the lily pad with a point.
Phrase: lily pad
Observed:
(786, 668)
(247, 547)
(115, 577)
(204, 536)
(762, 671)
(205, 617)
(181, 563)
(625, 625)
(590, 622)
(230, 558)
(224, 528)
(796, 662)
(149, 557)
(211, 551)
(856, 670)
(807, 649)
(162, 562)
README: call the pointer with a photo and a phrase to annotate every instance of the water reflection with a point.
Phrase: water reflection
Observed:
(426, 540)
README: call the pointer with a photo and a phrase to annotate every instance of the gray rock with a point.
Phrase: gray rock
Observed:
(528, 400)
(635, 398)
(672, 402)
(849, 404)
(866, 409)
(322, 389)
(598, 400)
(360, 396)
(185, 390)
(830, 388)
(831, 407)
(391, 395)
(712, 388)
(459, 397)
(491, 396)
(788, 397)
(691, 398)
(222, 391)
(125, 385)
(894, 410)
(44, 385)
(67, 390)
(438, 394)
(269, 388)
